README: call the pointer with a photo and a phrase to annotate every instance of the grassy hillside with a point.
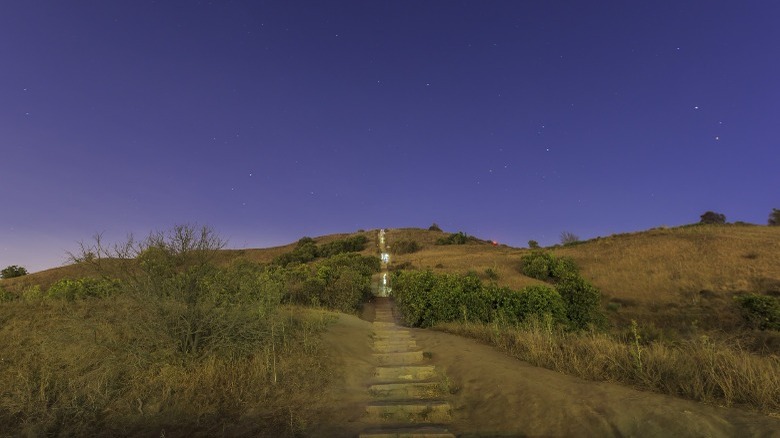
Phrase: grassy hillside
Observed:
(672, 280)
(678, 284)
(225, 257)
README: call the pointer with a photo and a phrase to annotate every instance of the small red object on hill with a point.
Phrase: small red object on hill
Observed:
(494, 242)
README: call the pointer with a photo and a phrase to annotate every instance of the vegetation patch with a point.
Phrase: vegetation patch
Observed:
(405, 246)
(163, 339)
(701, 369)
(760, 311)
(459, 238)
(426, 299)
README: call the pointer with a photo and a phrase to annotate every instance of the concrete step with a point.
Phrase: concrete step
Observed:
(383, 324)
(408, 432)
(404, 373)
(409, 390)
(410, 412)
(404, 358)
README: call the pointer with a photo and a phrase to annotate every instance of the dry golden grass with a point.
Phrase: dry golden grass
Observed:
(669, 265)
(700, 369)
(94, 368)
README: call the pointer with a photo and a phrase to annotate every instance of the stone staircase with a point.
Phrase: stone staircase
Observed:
(407, 394)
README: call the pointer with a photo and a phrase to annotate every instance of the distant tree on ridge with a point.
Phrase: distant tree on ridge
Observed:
(710, 217)
(774, 217)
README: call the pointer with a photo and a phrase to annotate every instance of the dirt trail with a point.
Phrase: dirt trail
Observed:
(500, 396)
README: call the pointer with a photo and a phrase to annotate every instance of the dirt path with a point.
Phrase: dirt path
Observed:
(499, 396)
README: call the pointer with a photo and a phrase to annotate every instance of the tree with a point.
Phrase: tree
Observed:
(434, 227)
(710, 217)
(568, 238)
(13, 271)
(533, 244)
(774, 218)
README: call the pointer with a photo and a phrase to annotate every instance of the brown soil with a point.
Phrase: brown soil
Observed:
(498, 396)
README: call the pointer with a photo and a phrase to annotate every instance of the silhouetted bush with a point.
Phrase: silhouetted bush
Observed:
(710, 217)
(13, 271)
(774, 218)
(568, 238)
(533, 244)
(407, 246)
(434, 227)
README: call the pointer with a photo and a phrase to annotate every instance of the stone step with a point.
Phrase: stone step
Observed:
(408, 432)
(410, 390)
(392, 334)
(410, 412)
(404, 373)
(404, 358)
(383, 324)
(394, 346)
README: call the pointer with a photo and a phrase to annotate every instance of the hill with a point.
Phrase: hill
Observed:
(673, 280)
(676, 279)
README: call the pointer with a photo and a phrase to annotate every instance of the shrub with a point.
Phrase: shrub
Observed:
(774, 218)
(582, 301)
(83, 288)
(568, 238)
(458, 238)
(491, 274)
(6, 296)
(13, 271)
(426, 299)
(760, 311)
(341, 246)
(544, 266)
(710, 217)
(407, 246)
(305, 251)
(533, 244)
(434, 227)
(341, 282)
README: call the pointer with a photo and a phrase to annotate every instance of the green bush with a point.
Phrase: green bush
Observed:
(434, 227)
(82, 288)
(426, 299)
(458, 238)
(406, 246)
(6, 296)
(13, 271)
(341, 246)
(533, 244)
(341, 282)
(306, 250)
(545, 266)
(760, 311)
(582, 301)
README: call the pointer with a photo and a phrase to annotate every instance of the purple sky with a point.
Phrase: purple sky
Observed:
(269, 121)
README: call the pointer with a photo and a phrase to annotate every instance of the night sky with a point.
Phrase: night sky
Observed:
(269, 121)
